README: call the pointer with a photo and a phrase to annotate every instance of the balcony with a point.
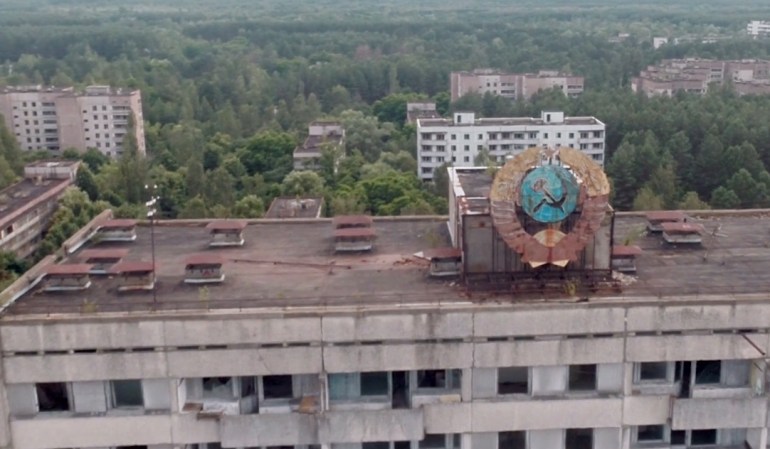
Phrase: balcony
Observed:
(505, 414)
(268, 430)
(329, 427)
(68, 430)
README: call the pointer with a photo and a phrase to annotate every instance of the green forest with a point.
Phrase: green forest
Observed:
(229, 90)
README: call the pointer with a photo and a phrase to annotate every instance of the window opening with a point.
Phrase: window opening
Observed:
(650, 433)
(217, 387)
(708, 372)
(582, 377)
(580, 438)
(652, 371)
(703, 437)
(277, 387)
(512, 440)
(53, 397)
(127, 393)
(513, 380)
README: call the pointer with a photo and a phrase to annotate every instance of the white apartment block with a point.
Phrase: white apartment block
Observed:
(54, 119)
(757, 28)
(459, 140)
(513, 85)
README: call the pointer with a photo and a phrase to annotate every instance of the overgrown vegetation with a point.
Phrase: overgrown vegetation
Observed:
(229, 90)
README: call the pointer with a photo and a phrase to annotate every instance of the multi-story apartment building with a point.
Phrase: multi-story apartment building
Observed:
(307, 156)
(758, 28)
(26, 207)
(513, 85)
(423, 109)
(460, 139)
(299, 348)
(750, 76)
(54, 119)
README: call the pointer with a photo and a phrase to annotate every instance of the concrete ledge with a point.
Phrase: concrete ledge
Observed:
(40, 433)
(719, 413)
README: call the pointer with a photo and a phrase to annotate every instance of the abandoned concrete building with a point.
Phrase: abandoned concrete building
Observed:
(536, 342)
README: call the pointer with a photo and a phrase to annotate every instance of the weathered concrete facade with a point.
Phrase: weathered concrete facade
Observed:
(473, 342)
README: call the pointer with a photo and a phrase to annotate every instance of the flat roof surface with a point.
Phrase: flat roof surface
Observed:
(508, 121)
(24, 194)
(314, 144)
(291, 263)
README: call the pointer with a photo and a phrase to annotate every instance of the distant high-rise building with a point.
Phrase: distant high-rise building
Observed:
(513, 85)
(55, 118)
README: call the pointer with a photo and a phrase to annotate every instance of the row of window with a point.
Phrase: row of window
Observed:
(503, 147)
(57, 396)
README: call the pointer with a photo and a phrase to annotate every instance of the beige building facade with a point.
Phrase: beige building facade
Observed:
(513, 85)
(54, 119)
(749, 76)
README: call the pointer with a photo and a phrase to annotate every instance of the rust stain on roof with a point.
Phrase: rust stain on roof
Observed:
(227, 225)
(68, 269)
(352, 220)
(132, 267)
(204, 259)
(682, 228)
(355, 232)
(626, 251)
(443, 253)
(113, 253)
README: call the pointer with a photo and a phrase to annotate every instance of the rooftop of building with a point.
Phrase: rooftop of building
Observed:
(96, 90)
(509, 121)
(292, 264)
(25, 194)
(498, 72)
(314, 144)
(295, 207)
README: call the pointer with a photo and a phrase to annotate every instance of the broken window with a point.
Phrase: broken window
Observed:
(653, 371)
(708, 372)
(53, 397)
(646, 434)
(582, 377)
(438, 378)
(513, 380)
(127, 393)
(217, 387)
(580, 438)
(703, 437)
(512, 440)
(277, 387)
